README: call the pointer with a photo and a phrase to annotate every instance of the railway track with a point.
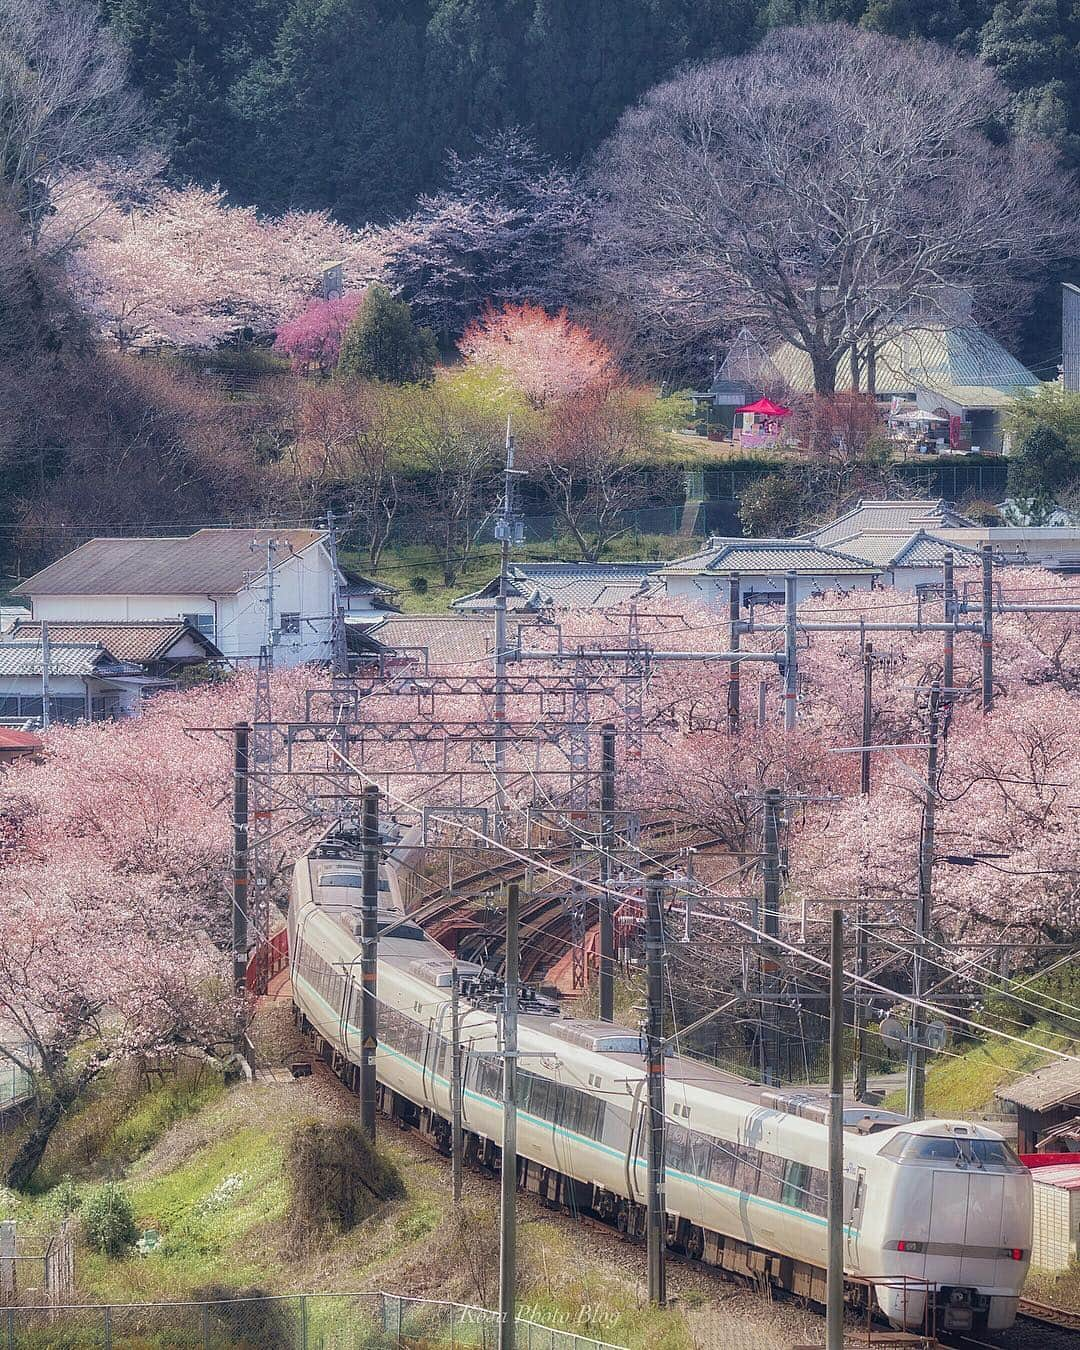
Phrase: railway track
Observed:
(1049, 1316)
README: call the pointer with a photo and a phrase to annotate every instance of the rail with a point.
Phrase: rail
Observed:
(1048, 1314)
(288, 1321)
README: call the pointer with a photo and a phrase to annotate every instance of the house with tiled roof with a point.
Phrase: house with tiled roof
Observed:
(85, 681)
(910, 560)
(565, 585)
(762, 566)
(160, 648)
(235, 587)
(888, 515)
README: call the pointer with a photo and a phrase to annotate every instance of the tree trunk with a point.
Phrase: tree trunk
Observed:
(853, 358)
(871, 370)
(32, 1149)
(824, 372)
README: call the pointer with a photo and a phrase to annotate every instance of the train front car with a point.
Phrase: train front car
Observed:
(948, 1210)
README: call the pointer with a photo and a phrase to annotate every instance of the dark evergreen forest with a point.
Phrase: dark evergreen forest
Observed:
(352, 104)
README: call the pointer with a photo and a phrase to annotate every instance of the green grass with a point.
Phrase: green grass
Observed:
(966, 1081)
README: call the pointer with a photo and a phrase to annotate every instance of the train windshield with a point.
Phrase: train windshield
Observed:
(955, 1149)
(353, 879)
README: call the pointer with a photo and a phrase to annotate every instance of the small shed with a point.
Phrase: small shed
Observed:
(1046, 1102)
(1055, 1215)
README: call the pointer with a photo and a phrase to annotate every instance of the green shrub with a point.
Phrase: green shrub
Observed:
(108, 1220)
(336, 1179)
(418, 585)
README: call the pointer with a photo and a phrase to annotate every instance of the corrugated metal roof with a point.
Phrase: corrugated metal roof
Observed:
(208, 562)
(899, 548)
(10, 739)
(962, 364)
(132, 640)
(565, 586)
(770, 556)
(869, 516)
(1050, 1086)
(65, 658)
(1065, 1176)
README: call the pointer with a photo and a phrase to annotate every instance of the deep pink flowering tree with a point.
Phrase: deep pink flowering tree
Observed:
(313, 337)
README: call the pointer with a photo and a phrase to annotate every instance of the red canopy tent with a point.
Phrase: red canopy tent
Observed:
(765, 407)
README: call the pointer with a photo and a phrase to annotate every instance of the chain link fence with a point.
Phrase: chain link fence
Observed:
(365, 1321)
(16, 1085)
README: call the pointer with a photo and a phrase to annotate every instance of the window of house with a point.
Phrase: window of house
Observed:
(67, 709)
(202, 623)
(290, 625)
(9, 705)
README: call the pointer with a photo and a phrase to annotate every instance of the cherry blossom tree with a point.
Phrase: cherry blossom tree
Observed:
(547, 356)
(313, 337)
(115, 925)
(153, 263)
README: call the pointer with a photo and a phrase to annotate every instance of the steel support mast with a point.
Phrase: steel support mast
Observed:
(508, 1170)
(607, 845)
(369, 957)
(834, 1275)
(655, 1181)
(916, 1060)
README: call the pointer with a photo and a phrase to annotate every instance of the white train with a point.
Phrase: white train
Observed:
(938, 1209)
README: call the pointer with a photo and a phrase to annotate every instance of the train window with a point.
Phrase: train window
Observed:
(676, 1147)
(540, 1098)
(819, 1191)
(947, 1148)
(746, 1168)
(722, 1162)
(355, 880)
(796, 1186)
(770, 1177)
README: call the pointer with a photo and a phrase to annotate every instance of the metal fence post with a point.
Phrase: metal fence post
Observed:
(303, 1322)
(108, 1328)
(206, 1326)
(11, 1329)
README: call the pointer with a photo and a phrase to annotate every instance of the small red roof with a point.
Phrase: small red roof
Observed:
(766, 408)
(1065, 1176)
(19, 740)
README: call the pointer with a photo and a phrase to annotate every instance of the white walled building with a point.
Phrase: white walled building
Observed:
(86, 682)
(215, 580)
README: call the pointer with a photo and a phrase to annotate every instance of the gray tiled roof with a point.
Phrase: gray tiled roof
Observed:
(901, 548)
(65, 658)
(1050, 1086)
(208, 562)
(449, 638)
(127, 640)
(565, 586)
(771, 556)
(880, 516)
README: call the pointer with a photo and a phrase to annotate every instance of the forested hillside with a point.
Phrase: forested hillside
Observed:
(352, 105)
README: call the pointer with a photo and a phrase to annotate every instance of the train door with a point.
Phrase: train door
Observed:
(854, 1200)
(635, 1146)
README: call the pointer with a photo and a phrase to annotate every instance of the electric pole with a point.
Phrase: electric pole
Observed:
(369, 951)
(508, 1176)
(607, 836)
(241, 733)
(916, 1060)
(46, 673)
(987, 628)
(770, 868)
(455, 1082)
(339, 655)
(655, 1183)
(508, 531)
(858, 995)
(734, 633)
(948, 592)
(791, 595)
(834, 1300)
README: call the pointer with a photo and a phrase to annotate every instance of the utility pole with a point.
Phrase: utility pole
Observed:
(790, 654)
(46, 673)
(241, 733)
(607, 836)
(770, 870)
(269, 633)
(655, 1182)
(339, 655)
(948, 592)
(734, 632)
(508, 1176)
(369, 953)
(858, 995)
(508, 531)
(916, 1060)
(987, 628)
(455, 1082)
(834, 1300)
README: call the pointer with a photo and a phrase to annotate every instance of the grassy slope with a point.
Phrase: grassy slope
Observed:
(204, 1167)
